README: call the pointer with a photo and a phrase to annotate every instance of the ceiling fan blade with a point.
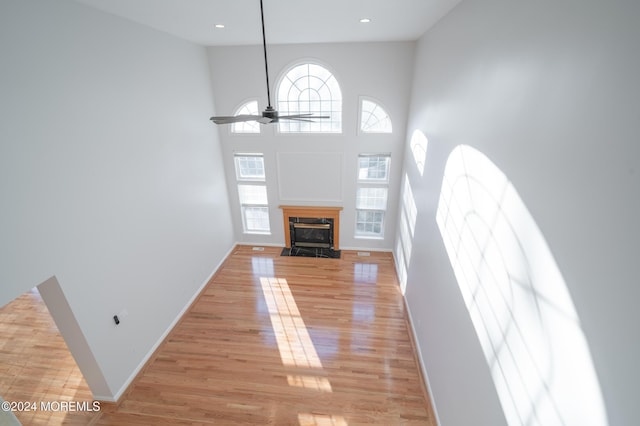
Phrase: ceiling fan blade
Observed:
(265, 120)
(297, 119)
(307, 115)
(269, 115)
(229, 119)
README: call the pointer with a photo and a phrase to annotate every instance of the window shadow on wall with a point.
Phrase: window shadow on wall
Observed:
(516, 297)
(404, 245)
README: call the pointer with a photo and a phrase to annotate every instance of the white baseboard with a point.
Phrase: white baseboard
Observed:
(421, 361)
(105, 398)
(260, 244)
(164, 335)
(382, 250)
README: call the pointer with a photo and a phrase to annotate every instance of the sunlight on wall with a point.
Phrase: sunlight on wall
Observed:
(408, 217)
(419, 149)
(516, 297)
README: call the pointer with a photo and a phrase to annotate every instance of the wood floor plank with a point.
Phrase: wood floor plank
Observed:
(36, 365)
(278, 340)
(274, 340)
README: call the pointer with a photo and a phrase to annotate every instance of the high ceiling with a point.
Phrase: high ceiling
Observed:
(286, 21)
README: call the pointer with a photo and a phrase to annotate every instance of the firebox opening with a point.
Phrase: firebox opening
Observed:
(311, 232)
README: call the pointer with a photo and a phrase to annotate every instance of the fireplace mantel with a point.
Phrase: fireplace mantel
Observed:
(312, 212)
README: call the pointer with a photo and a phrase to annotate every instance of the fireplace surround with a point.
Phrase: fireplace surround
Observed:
(311, 232)
(306, 226)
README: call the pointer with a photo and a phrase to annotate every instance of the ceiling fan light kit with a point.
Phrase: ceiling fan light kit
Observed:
(269, 115)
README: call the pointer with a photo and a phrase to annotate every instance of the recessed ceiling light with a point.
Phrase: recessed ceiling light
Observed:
(365, 20)
(219, 25)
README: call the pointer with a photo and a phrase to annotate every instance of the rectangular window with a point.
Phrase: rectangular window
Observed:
(250, 167)
(371, 194)
(256, 219)
(252, 193)
(371, 198)
(369, 223)
(373, 168)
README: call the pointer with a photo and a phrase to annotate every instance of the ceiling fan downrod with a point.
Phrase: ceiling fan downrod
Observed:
(266, 66)
(269, 115)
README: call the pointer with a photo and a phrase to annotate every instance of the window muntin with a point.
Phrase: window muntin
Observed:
(371, 198)
(374, 118)
(373, 168)
(249, 108)
(252, 192)
(256, 219)
(369, 223)
(250, 167)
(371, 194)
(310, 88)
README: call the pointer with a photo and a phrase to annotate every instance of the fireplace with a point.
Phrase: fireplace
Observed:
(311, 232)
(306, 226)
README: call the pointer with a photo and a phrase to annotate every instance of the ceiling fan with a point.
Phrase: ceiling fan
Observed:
(269, 115)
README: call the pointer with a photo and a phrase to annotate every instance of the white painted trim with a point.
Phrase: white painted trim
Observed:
(245, 243)
(421, 361)
(382, 250)
(105, 398)
(164, 335)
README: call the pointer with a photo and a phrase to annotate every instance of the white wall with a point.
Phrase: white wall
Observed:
(110, 174)
(378, 70)
(548, 91)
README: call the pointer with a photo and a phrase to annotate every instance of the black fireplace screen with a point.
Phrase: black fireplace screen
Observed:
(311, 232)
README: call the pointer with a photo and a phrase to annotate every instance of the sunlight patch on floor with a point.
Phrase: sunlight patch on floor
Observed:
(294, 342)
(310, 382)
(307, 419)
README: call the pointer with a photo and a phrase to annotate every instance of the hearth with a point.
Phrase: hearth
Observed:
(311, 227)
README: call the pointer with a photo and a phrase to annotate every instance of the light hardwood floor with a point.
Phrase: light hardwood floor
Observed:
(36, 365)
(275, 340)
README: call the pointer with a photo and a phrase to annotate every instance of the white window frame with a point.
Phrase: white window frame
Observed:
(238, 157)
(377, 115)
(302, 91)
(368, 183)
(247, 127)
(258, 180)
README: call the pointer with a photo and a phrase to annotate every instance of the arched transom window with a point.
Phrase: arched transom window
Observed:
(248, 108)
(310, 88)
(373, 118)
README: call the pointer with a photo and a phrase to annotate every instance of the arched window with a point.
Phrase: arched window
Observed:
(310, 88)
(249, 108)
(518, 302)
(373, 118)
